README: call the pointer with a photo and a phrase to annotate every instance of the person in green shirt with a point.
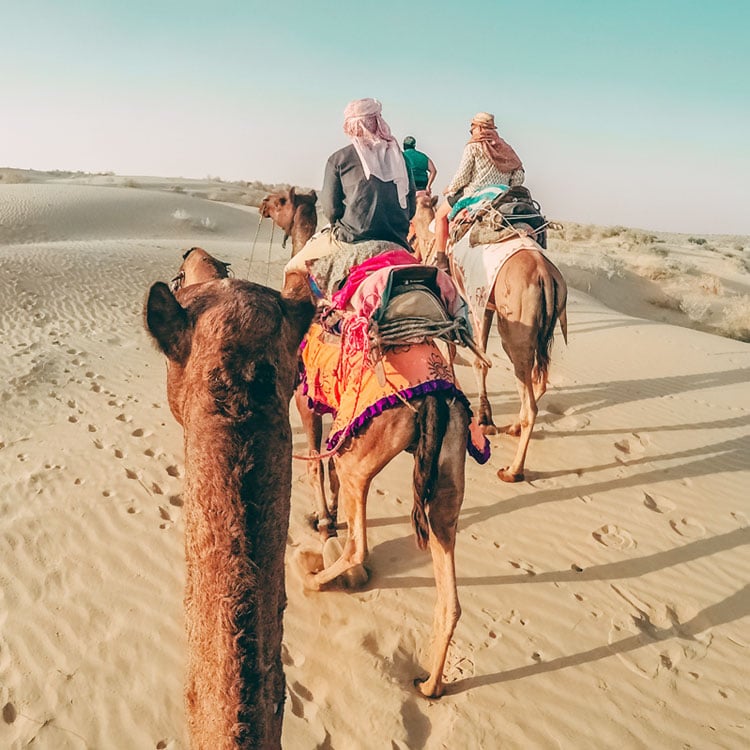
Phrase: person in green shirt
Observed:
(420, 164)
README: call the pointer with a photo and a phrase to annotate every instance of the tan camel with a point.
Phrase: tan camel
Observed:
(231, 349)
(434, 428)
(421, 238)
(294, 213)
(529, 296)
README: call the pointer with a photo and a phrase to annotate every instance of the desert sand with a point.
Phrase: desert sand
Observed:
(605, 599)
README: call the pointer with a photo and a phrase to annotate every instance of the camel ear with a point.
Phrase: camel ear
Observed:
(167, 322)
(434, 200)
(292, 193)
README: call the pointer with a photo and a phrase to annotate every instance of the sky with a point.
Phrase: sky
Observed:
(634, 113)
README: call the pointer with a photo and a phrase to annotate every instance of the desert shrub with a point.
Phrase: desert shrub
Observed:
(662, 252)
(665, 303)
(697, 240)
(696, 309)
(710, 284)
(662, 272)
(12, 177)
(736, 318)
(185, 219)
(129, 183)
(607, 232)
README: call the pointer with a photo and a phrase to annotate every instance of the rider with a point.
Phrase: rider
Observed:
(487, 160)
(420, 164)
(368, 191)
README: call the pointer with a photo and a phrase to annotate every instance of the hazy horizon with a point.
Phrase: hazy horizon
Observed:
(629, 115)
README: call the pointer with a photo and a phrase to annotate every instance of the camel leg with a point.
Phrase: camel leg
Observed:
(522, 367)
(484, 416)
(313, 426)
(354, 489)
(443, 511)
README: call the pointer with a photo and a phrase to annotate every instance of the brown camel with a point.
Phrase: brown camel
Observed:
(421, 238)
(231, 349)
(434, 428)
(294, 213)
(529, 296)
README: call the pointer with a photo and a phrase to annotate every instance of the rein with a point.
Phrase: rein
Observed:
(252, 250)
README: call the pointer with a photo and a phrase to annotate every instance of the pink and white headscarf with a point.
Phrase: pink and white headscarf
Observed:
(376, 147)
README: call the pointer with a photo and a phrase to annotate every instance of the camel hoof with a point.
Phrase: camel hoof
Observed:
(506, 476)
(353, 578)
(427, 689)
(310, 564)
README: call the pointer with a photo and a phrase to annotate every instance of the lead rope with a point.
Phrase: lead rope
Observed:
(252, 250)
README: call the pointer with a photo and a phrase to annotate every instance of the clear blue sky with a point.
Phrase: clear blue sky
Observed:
(631, 112)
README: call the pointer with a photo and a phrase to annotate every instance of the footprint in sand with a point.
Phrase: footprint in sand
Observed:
(173, 471)
(741, 518)
(687, 527)
(657, 504)
(176, 500)
(526, 567)
(630, 447)
(648, 625)
(610, 535)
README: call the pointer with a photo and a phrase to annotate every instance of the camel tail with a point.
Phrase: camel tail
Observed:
(432, 422)
(549, 312)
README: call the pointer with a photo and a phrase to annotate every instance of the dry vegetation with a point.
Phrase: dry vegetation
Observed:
(697, 282)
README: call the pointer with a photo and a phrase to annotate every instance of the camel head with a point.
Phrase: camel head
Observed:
(282, 207)
(198, 266)
(231, 347)
(426, 201)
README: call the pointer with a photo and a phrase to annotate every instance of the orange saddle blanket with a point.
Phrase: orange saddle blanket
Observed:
(350, 389)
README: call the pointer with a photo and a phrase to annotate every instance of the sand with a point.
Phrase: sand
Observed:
(605, 600)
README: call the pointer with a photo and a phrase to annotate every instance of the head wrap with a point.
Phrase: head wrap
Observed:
(410, 141)
(376, 147)
(495, 148)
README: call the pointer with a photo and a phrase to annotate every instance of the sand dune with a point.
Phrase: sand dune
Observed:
(605, 600)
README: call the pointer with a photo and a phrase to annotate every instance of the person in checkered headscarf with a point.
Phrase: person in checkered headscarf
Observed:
(487, 160)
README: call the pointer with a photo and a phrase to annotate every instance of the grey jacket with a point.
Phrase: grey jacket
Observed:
(362, 209)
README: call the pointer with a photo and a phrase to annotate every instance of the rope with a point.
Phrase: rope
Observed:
(252, 250)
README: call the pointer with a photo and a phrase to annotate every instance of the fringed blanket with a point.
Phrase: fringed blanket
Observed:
(349, 388)
(476, 269)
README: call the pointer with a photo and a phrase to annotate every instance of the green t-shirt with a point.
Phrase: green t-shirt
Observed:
(417, 162)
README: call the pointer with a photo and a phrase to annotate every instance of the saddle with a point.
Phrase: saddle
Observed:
(507, 215)
(412, 311)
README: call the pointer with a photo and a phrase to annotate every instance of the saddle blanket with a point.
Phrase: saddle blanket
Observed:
(475, 270)
(349, 388)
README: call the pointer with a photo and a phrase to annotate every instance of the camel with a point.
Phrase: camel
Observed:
(294, 213)
(231, 349)
(421, 238)
(434, 428)
(529, 296)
